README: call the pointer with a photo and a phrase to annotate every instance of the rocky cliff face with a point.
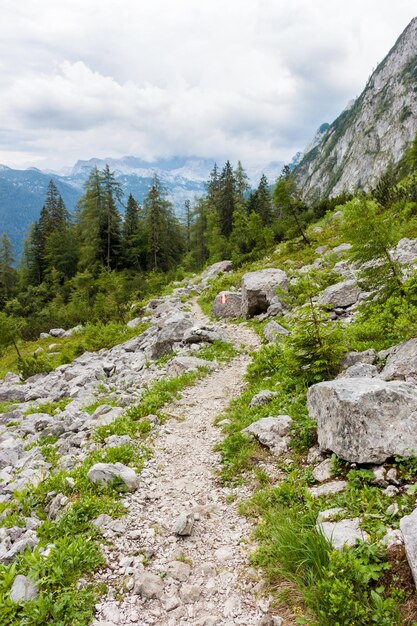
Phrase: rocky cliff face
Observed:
(372, 132)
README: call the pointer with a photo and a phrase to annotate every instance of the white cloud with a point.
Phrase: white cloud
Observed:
(248, 79)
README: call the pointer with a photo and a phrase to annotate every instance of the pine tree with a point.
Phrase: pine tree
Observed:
(133, 236)
(188, 219)
(8, 275)
(99, 221)
(289, 204)
(241, 184)
(226, 199)
(263, 202)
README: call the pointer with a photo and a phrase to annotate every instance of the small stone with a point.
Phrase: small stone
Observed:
(23, 589)
(379, 476)
(171, 602)
(263, 397)
(393, 509)
(148, 585)
(392, 477)
(329, 488)
(179, 571)
(323, 471)
(184, 524)
(271, 620)
(391, 491)
(190, 593)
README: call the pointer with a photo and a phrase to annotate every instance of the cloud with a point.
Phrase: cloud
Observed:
(248, 79)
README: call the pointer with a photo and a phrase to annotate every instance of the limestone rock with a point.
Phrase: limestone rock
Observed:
(352, 358)
(107, 473)
(408, 527)
(181, 364)
(148, 585)
(360, 370)
(365, 420)
(178, 570)
(323, 471)
(328, 488)
(23, 589)
(57, 332)
(271, 432)
(172, 331)
(184, 524)
(341, 295)
(227, 304)
(258, 289)
(274, 331)
(346, 532)
(405, 251)
(263, 397)
(401, 363)
(214, 270)
(201, 332)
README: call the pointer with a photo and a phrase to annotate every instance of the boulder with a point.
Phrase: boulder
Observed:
(217, 268)
(342, 295)
(340, 250)
(227, 304)
(360, 370)
(172, 331)
(405, 251)
(271, 432)
(408, 527)
(368, 357)
(200, 333)
(274, 331)
(148, 585)
(57, 332)
(108, 473)
(323, 471)
(23, 589)
(135, 322)
(401, 363)
(12, 393)
(365, 420)
(336, 486)
(346, 532)
(259, 288)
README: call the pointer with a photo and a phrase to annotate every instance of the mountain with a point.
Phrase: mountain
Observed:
(371, 132)
(22, 192)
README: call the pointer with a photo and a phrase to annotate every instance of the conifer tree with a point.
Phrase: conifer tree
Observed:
(8, 275)
(263, 202)
(226, 199)
(289, 204)
(133, 241)
(241, 184)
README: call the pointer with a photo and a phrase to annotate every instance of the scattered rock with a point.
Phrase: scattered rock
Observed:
(179, 571)
(408, 527)
(365, 420)
(360, 370)
(346, 532)
(23, 589)
(222, 267)
(323, 471)
(271, 620)
(271, 432)
(401, 363)
(148, 585)
(274, 331)
(328, 488)
(352, 358)
(181, 364)
(258, 289)
(263, 397)
(227, 304)
(184, 524)
(109, 473)
(341, 295)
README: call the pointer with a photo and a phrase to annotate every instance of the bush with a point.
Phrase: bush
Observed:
(35, 364)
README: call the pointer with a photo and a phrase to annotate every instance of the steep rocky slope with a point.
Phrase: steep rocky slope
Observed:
(372, 132)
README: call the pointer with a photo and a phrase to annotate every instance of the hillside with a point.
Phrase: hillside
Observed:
(372, 132)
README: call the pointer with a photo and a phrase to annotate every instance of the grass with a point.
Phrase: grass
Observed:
(92, 338)
(51, 408)
(220, 351)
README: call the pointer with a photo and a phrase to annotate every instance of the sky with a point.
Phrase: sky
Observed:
(238, 79)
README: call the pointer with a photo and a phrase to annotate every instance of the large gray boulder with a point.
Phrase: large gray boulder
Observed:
(172, 331)
(401, 363)
(227, 304)
(408, 527)
(108, 473)
(181, 364)
(342, 295)
(217, 268)
(341, 534)
(259, 289)
(365, 420)
(201, 333)
(405, 251)
(272, 432)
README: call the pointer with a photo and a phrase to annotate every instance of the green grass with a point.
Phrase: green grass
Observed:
(220, 351)
(51, 408)
(92, 338)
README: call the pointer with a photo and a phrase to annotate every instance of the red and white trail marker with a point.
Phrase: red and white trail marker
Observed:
(223, 298)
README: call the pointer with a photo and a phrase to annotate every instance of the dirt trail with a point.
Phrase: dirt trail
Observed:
(204, 576)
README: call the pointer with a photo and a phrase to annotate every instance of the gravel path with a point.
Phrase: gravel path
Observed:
(157, 577)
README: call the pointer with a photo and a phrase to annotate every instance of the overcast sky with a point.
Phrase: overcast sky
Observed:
(238, 79)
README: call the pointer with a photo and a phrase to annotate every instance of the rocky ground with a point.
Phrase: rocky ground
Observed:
(182, 522)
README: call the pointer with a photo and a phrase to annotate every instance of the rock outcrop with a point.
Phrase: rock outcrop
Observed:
(259, 289)
(369, 134)
(365, 420)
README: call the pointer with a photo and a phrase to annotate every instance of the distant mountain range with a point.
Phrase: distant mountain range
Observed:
(22, 192)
